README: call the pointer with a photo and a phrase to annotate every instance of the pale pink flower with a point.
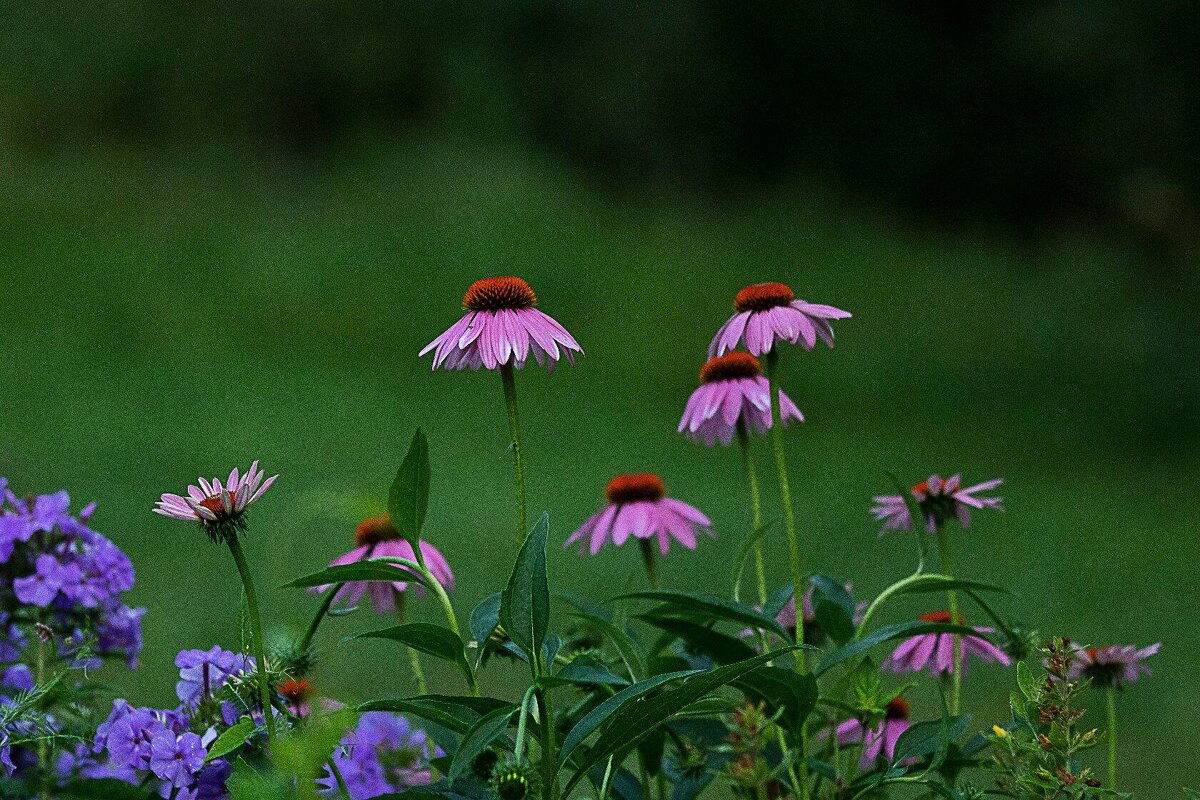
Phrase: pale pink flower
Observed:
(732, 391)
(377, 538)
(765, 312)
(936, 650)
(940, 499)
(219, 508)
(501, 326)
(638, 507)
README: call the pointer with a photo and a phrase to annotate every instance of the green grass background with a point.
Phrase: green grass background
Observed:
(166, 316)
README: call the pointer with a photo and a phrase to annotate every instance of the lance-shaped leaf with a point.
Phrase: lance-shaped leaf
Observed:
(691, 604)
(620, 640)
(484, 619)
(488, 729)
(408, 499)
(369, 570)
(898, 631)
(927, 738)
(525, 602)
(231, 739)
(720, 648)
(430, 639)
(452, 712)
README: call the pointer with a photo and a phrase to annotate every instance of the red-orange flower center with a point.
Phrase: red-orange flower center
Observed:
(375, 530)
(730, 366)
(897, 708)
(634, 487)
(1092, 652)
(297, 691)
(216, 505)
(762, 296)
(493, 294)
(921, 488)
(940, 616)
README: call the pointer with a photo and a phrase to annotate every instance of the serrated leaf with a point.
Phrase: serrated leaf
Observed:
(885, 634)
(369, 570)
(408, 499)
(525, 602)
(231, 739)
(485, 731)
(636, 718)
(433, 640)
(711, 607)
(927, 738)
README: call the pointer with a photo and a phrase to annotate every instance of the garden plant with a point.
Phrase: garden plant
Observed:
(799, 691)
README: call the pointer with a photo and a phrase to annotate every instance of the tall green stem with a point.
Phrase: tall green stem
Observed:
(514, 431)
(549, 757)
(648, 559)
(264, 681)
(1112, 738)
(414, 658)
(789, 523)
(755, 510)
(319, 617)
(952, 603)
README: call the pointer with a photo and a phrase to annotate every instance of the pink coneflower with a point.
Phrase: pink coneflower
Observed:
(1115, 665)
(940, 499)
(937, 649)
(638, 506)
(732, 391)
(219, 508)
(377, 537)
(769, 311)
(501, 323)
(882, 738)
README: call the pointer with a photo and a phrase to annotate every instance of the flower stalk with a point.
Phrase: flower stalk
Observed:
(508, 378)
(264, 681)
(952, 605)
(743, 437)
(1112, 736)
(648, 559)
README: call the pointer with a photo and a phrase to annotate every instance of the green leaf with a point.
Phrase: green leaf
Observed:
(933, 582)
(747, 547)
(453, 713)
(484, 619)
(1025, 681)
(369, 570)
(430, 639)
(232, 738)
(927, 738)
(95, 789)
(408, 499)
(898, 631)
(710, 606)
(525, 602)
(836, 623)
(620, 639)
(783, 690)
(720, 648)
(485, 731)
(603, 712)
(587, 671)
(634, 719)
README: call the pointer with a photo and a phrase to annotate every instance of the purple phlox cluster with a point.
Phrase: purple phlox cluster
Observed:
(202, 673)
(383, 754)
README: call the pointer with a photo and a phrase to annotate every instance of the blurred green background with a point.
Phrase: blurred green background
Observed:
(226, 231)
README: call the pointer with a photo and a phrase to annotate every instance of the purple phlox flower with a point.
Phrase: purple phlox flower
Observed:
(14, 527)
(383, 754)
(203, 672)
(1115, 665)
(378, 538)
(40, 588)
(128, 739)
(940, 499)
(937, 649)
(12, 639)
(501, 326)
(6, 762)
(176, 759)
(120, 631)
(78, 762)
(638, 507)
(120, 710)
(881, 738)
(766, 312)
(50, 510)
(214, 504)
(732, 393)
(16, 678)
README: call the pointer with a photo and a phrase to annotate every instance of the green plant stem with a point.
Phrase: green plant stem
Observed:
(549, 758)
(648, 559)
(1112, 738)
(789, 523)
(319, 617)
(951, 601)
(508, 377)
(264, 680)
(521, 721)
(414, 658)
(883, 596)
(755, 510)
(43, 746)
(337, 776)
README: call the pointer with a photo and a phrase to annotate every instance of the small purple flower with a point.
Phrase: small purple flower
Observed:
(501, 326)
(78, 762)
(1115, 665)
(176, 759)
(203, 672)
(383, 754)
(128, 739)
(120, 631)
(40, 588)
(13, 528)
(638, 507)
(940, 500)
(937, 649)
(18, 677)
(766, 312)
(732, 392)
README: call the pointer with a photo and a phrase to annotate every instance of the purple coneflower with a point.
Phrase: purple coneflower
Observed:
(376, 537)
(882, 738)
(501, 326)
(769, 311)
(638, 507)
(733, 393)
(940, 500)
(936, 650)
(219, 508)
(1115, 665)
